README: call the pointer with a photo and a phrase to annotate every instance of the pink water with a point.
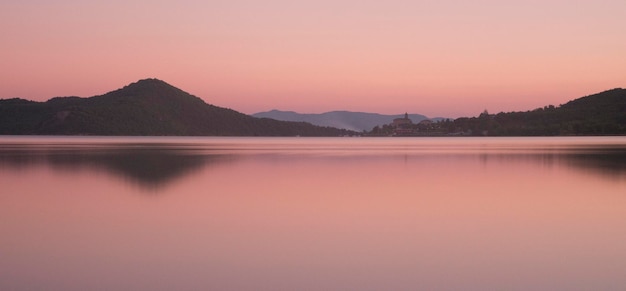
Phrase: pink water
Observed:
(312, 213)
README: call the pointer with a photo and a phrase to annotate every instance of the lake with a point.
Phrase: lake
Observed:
(195, 213)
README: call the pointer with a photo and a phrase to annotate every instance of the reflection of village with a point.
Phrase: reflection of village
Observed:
(404, 126)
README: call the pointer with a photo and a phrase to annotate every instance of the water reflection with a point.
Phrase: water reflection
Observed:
(606, 163)
(312, 214)
(154, 164)
(147, 165)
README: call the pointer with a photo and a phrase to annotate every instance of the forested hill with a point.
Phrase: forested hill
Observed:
(599, 114)
(147, 107)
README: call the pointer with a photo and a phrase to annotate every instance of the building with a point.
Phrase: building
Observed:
(402, 126)
(402, 121)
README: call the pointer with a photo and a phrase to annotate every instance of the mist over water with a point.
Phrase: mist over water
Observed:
(176, 213)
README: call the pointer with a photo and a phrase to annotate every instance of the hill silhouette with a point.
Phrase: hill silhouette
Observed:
(598, 114)
(147, 107)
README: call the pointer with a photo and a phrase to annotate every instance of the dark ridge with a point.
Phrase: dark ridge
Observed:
(598, 114)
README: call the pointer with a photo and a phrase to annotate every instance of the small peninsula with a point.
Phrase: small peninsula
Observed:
(599, 114)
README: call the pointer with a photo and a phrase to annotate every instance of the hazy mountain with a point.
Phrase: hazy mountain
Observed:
(357, 121)
(147, 107)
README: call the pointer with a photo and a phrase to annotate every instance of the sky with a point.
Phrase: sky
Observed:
(438, 58)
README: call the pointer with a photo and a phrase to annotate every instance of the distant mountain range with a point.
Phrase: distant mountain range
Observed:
(147, 107)
(357, 121)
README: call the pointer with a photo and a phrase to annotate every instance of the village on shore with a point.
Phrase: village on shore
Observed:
(404, 126)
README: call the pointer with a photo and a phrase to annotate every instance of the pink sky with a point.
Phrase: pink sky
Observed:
(438, 58)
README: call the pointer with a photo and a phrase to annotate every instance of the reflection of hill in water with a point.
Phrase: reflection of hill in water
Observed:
(608, 163)
(148, 166)
(154, 165)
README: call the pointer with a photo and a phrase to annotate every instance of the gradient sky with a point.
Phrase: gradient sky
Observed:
(438, 58)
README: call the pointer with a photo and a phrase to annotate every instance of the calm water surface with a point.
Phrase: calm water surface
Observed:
(88, 213)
